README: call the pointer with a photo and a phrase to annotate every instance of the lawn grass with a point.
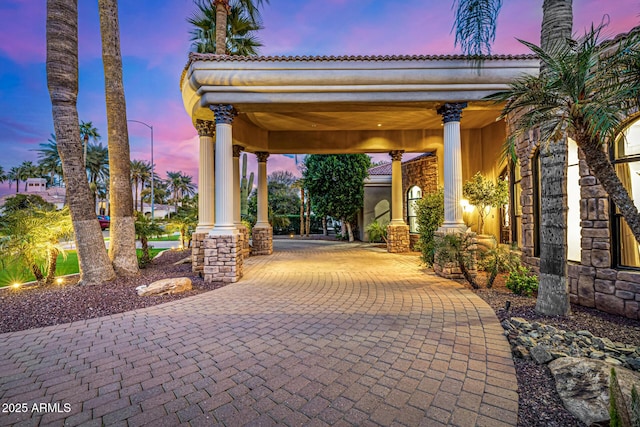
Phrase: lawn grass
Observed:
(14, 273)
(166, 238)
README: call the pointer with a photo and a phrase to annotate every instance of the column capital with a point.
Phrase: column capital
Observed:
(223, 113)
(396, 155)
(237, 149)
(205, 128)
(451, 112)
(262, 156)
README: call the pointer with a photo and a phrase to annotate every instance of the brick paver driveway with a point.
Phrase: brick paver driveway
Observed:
(320, 333)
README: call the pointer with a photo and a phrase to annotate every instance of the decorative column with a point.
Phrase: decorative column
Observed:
(206, 194)
(453, 222)
(397, 230)
(237, 218)
(451, 114)
(262, 232)
(223, 245)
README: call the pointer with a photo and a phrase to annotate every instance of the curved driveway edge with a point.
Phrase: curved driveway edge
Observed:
(319, 333)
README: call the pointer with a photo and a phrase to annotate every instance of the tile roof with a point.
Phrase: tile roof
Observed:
(212, 57)
(385, 169)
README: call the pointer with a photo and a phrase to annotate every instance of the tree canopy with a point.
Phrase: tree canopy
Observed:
(336, 183)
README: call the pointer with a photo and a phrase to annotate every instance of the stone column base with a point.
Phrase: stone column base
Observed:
(398, 238)
(450, 269)
(246, 248)
(197, 252)
(223, 259)
(262, 240)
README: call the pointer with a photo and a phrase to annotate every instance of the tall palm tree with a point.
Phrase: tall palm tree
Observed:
(586, 92)
(475, 30)
(97, 163)
(223, 9)
(28, 170)
(88, 131)
(240, 39)
(180, 186)
(3, 175)
(62, 80)
(122, 247)
(140, 174)
(49, 159)
(14, 175)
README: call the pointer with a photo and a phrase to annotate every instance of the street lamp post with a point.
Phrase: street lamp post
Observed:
(152, 167)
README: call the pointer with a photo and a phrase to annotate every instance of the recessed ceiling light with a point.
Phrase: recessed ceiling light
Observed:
(379, 124)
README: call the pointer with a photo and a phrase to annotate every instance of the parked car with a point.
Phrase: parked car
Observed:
(105, 221)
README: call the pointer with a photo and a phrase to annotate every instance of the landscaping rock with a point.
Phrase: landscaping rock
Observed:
(544, 343)
(165, 286)
(583, 386)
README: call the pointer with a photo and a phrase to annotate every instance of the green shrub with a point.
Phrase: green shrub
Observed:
(377, 231)
(430, 216)
(457, 248)
(499, 259)
(521, 281)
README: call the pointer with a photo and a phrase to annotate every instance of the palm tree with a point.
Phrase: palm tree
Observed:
(88, 131)
(14, 175)
(97, 163)
(49, 159)
(223, 9)
(3, 175)
(62, 80)
(122, 247)
(240, 39)
(140, 173)
(475, 29)
(28, 170)
(180, 186)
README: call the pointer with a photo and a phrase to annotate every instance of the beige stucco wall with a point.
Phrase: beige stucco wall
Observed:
(481, 152)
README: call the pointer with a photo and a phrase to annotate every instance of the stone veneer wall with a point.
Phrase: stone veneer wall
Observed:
(262, 240)
(197, 252)
(594, 282)
(223, 258)
(397, 238)
(422, 172)
(246, 248)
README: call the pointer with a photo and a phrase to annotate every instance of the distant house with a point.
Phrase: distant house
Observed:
(38, 186)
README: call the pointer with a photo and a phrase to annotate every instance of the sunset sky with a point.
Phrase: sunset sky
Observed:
(155, 44)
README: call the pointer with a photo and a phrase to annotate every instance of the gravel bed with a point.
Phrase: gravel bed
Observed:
(539, 403)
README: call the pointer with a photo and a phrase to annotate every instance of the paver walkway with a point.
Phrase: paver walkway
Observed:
(319, 333)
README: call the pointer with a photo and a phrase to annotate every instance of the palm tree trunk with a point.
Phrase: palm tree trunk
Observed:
(122, 248)
(62, 79)
(52, 262)
(553, 293)
(222, 10)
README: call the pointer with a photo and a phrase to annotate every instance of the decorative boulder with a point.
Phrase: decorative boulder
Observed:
(583, 386)
(172, 285)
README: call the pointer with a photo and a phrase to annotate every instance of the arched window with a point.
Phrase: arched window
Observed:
(413, 195)
(627, 164)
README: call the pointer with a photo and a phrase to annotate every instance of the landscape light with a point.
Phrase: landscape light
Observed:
(59, 280)
(16, 285)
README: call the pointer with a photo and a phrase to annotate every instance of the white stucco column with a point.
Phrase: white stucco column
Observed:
(237, 150)
(263, 201)
(206, 177)
(451, 113)
(224, 206)
(396, 187)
